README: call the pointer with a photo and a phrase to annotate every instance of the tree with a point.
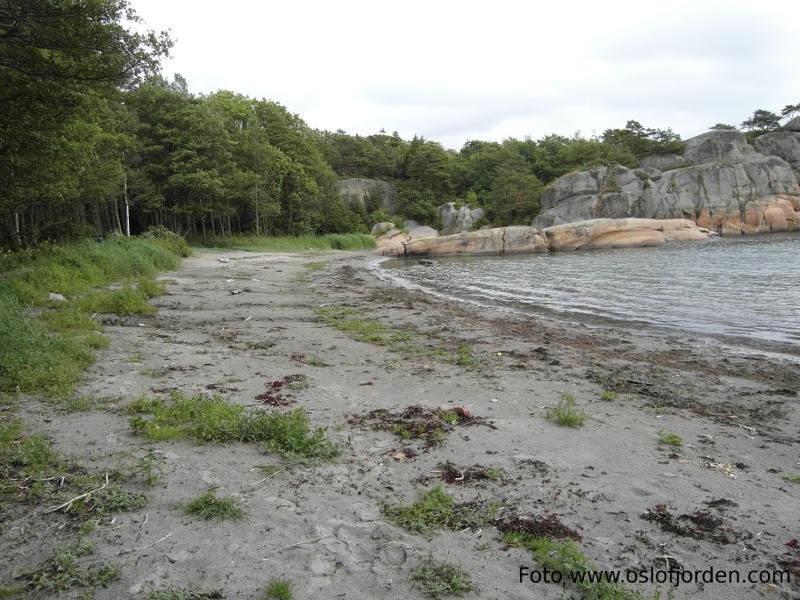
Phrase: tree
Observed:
(762, 120)
(60, 61)
(723, 127)
(790, 110)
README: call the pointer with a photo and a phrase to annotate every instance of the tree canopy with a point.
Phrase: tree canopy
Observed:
(90, 132)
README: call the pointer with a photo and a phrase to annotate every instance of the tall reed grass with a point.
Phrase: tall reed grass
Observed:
(332, 241)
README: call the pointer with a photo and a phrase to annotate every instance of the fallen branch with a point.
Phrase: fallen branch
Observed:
(68, 503)
(145, 547)
(268, 476)
(290, 546)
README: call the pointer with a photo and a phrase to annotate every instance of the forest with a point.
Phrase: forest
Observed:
(94, 140)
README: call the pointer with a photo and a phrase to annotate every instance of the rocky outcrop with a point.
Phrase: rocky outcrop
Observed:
(583, 235)
(785, 144)
(369, 193)
(458, 220)
(730, 188)
(793, 125)
(411, 231)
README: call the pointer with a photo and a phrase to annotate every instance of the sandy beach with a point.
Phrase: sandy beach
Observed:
(718, 500)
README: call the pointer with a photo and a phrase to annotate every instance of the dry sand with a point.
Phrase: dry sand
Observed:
(322, 526)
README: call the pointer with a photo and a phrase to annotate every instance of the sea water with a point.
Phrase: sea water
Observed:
(743, 291)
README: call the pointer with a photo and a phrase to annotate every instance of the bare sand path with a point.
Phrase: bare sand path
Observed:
(231, 327)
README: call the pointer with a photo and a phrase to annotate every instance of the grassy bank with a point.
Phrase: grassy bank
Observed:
(332, 241)
(48, 352)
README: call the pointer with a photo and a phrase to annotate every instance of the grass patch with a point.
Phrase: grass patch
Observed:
(127, 301)
(565, 413)
(792, 478)
(186, 593)
(372, 332)
(437, 579)
(608, 396)
(63, 571)
(279, 589)
(564, 557)
(211, 419)
(314, 266)
(669, 439)
(435, 510)
(49, 353)
(332, 241)
(209, 506)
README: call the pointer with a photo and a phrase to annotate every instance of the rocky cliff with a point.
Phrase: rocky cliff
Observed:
(720, 182)
(366, 192)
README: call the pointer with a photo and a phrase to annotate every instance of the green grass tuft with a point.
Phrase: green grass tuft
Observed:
(565, 414)
(437, 579)
(279, 589)
(608, 396)
(792, 478)
(209, 506)
(670, 439)
(435, 510)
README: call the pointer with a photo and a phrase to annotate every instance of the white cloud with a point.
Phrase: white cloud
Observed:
(453, 71)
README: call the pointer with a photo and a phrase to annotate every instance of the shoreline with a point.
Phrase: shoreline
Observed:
(230, 328)
(769, 347)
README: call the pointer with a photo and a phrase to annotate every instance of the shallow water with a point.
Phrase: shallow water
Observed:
(742, 291)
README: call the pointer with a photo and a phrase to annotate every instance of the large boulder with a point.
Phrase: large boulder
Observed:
(499, 241)
(369, 193)
(663, 162)
(732, 190)
(458, 220)
(583, 235)
(622, 233)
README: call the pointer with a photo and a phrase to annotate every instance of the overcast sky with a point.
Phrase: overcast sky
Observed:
(453, 71)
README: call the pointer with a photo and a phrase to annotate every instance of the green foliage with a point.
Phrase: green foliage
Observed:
(151, 466)
(49, 354)
(565, 413)
(279, 589)
(792, 478)
(333, 241)
(435, 510)
(372, 332)
(63, 571)
(211, 419)
(127, 301)
(210, 506)
(33, 360)
(465, 358)
(762, 120)
(437, 579)
(723, 127)
(167, 239)
(564, 557)
(669, 439)
(641, 141)
(608, 396)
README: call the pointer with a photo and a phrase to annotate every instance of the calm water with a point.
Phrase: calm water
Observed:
(743, 291)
